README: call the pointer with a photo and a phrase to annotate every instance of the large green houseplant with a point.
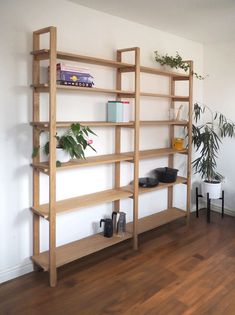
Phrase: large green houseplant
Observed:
(206, 138)
(70, 145)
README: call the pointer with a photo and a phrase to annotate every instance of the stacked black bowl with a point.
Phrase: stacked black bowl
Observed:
(166, 174)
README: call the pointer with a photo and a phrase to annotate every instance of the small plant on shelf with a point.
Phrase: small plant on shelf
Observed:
(71, 145)
(175, 62)
(206, 138)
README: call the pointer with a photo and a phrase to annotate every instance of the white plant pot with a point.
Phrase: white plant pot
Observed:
(62, 155)
(214, 190)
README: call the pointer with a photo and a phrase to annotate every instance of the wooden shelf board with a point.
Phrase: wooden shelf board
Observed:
(180, 78)
(89, 161)
(151, 70)
(45, 88)
(44, 54)
(67, 124)
(179, 180)
(91, 244)
(172, 97)
(155, 220)
(128, 94)
(164, 122)
(84, 201)
(109, 158)
(147, 154)
(78, 249)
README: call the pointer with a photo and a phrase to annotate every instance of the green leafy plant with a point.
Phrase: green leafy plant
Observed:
(74, 141)
(206, 138)
(175, 62)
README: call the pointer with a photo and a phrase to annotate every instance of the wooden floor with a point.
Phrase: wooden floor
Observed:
(178, 270)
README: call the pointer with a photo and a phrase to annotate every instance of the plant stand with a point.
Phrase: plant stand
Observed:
(209, 205)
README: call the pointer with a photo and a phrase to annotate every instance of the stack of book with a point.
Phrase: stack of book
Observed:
(119, 111)
(73, 75)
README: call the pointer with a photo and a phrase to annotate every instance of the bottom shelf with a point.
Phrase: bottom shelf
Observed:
(78, 249)
(157, 219)
(91, 244)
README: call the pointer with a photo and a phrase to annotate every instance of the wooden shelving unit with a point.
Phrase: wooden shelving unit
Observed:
(58, 256)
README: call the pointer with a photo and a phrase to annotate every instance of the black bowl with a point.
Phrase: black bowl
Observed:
(166, 174)
(148, 182)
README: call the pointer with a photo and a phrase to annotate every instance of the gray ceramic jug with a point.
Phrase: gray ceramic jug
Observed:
(121, 225)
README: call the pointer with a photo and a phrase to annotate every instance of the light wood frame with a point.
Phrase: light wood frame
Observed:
(57, 256)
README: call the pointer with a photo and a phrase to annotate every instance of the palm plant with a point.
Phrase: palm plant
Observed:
(206, 139)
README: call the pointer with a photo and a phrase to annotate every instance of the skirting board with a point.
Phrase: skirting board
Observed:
(16, 271)
(217, 208)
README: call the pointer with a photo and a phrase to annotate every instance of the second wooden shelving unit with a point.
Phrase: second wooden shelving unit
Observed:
(58, 256)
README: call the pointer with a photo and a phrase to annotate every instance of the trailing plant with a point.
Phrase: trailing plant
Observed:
(175, 62)
(206, 139)
(74, 141)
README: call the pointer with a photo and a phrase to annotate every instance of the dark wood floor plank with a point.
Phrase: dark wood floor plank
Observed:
(179, 270)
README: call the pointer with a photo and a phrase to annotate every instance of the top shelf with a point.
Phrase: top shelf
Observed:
(43, 54)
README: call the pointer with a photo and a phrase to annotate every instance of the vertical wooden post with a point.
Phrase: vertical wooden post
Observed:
(36, 135)
(136, 50)
(52, 158)
(136, 148)
(118, 136)
(189, 164)
(171, 136)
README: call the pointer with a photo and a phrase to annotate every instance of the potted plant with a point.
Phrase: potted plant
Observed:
(70, 145)
(206, 138)
(175, 62)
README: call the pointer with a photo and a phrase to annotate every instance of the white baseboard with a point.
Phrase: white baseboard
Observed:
(16, 271)
(217, 208)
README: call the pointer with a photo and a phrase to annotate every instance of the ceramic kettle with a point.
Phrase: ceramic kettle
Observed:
(108, 227)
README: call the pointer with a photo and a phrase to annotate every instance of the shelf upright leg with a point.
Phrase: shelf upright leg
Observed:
(52, 159)
(36, 135)
(118, 136)
(136, 50)
(136, 148)
(189, 163)
(171, 136)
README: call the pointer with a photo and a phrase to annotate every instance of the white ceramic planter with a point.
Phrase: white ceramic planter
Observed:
(214, 190)
(62, 155)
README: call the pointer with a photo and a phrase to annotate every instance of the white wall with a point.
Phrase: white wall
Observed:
(220, 95)
(87, 32)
